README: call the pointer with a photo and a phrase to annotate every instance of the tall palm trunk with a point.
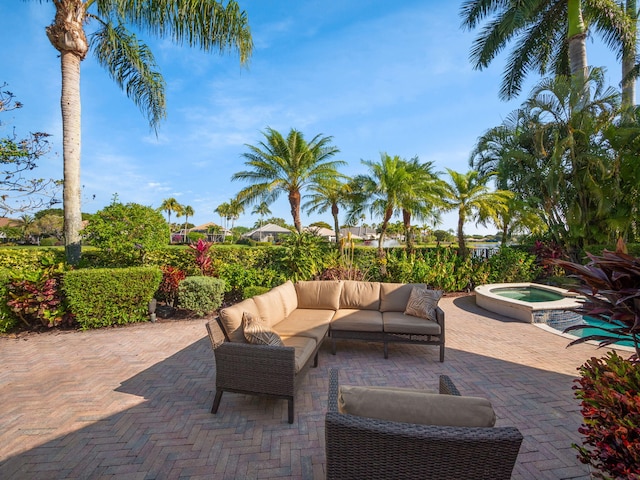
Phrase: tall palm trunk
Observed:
(294, 201)
(383, 230)
(629, 59)
(67, 36)
(577, 34)
(336, 223)
(406, 220)
(462, 246)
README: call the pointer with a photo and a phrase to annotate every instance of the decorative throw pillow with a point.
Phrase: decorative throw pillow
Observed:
(423, 302)
(258, 332)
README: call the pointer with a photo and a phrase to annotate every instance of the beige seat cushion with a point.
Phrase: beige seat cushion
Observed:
(305, 322)
(362, 295)
(394, 296)
(271, 307)
(423, 302)
(287, 293)
(398, 322)
(231, 318)
(305, 346)
(357, 320)
(321, 295)
(415, 406)
(257, 332)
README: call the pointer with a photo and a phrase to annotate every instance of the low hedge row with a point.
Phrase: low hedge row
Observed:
(110, 296)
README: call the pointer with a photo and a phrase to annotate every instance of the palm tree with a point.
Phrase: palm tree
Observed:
(469, 194)
(549, 34)
(235, 210)
(286, 165)
(261, 209)
(169, 205)
(224, 211)
(207, 24)
(329, 194)
(188, 212)
(393, 186)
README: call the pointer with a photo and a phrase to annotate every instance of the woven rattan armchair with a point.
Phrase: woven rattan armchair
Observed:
(255, 369)
(360, 447)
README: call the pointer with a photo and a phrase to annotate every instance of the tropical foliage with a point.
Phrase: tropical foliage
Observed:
(549, 35)
(569, 157)
(609, 393)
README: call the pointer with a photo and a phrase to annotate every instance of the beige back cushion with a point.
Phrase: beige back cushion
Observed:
(394, 296)
(360, 295)
(288, 296)
(231, 319)
(416, 406)
(322, 295)
(271, 307)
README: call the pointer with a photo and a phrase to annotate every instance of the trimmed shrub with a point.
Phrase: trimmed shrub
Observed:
(19, 259)
(201, 295)
(249, 292)
(104, 297)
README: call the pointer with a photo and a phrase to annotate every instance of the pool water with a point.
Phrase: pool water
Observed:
(585, 332)
(528, 294)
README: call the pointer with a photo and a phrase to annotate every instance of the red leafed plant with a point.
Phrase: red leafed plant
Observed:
(201, 253)
(168, 289)
(38, 300)
(609, 390)
(610, 291)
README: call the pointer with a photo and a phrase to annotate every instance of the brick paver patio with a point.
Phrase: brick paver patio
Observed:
(133, 403)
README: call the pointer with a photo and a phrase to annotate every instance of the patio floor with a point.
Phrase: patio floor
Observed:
(134, 403)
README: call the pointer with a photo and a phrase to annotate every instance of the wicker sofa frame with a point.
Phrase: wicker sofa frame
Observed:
(255, 369)
(360, 447)
(271, 370)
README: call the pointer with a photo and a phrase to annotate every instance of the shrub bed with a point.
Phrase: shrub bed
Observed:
(201, 295)
(114, 296)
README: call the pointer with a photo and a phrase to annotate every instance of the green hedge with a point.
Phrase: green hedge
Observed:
(113, 296)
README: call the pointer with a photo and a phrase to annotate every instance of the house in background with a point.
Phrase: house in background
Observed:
(213, 231)
(364, 233)
(325, 233)
(268, 233)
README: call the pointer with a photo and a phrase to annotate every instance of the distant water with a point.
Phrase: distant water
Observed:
(389, 242)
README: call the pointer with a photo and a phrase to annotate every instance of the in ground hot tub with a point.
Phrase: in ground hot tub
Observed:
(527, 302)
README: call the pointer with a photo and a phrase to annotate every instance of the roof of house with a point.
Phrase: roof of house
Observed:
(267, 229)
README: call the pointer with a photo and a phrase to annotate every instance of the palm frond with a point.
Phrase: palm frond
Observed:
(132, 65)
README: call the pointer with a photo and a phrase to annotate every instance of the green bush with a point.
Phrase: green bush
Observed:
(110, 296)
(201, 295)
(125, 234)
(19, 259)
(237, 277)
(249, 292)
(511, 265)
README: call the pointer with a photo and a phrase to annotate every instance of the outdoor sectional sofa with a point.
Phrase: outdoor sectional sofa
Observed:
(303, 315)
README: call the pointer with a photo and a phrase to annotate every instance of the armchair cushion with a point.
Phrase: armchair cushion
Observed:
(423, 302)
(415, 406)
(231, 318)
(256, 331)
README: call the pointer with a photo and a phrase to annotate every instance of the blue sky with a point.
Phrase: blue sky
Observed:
(377, 76)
